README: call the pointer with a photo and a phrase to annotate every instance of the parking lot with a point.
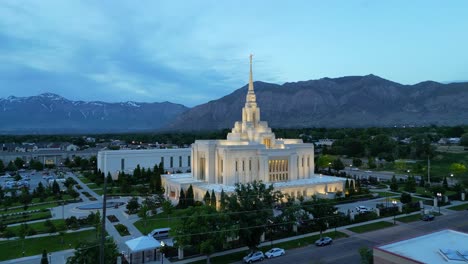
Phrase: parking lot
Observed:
(29, 179)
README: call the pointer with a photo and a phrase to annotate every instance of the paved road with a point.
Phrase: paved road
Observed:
(345, 250)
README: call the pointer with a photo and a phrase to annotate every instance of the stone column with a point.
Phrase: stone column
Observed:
(435, 202)
(400, 207)
(463, 196)
(351, 216)
(446, 199)
(377, 211)
(421, 205)
(262, 238)
(295, 228)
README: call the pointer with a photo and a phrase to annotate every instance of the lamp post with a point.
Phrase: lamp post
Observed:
(439, 195)
(162, 253)
(451, 178)
(394, 202)
(329, 169)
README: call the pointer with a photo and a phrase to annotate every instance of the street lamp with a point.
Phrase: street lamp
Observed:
(270, 226)
(451, 178)
(394, 202)
(162, 253)
(439, 195)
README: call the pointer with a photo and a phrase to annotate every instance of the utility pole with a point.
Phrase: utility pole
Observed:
(428, 170)
(103, 227)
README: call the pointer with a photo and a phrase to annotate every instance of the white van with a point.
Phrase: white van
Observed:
(160, 233)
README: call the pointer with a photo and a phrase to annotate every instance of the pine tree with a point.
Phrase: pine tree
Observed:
(44, 259)
(207, 198)
(445, 183)
(190, 196)
(182, 200)
(223, 200)
(393, 184)
(2, 167)
(213, 198)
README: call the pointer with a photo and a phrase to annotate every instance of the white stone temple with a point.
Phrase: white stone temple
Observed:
(252, 152)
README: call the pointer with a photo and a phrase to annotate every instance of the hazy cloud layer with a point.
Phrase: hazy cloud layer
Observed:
(191, 52)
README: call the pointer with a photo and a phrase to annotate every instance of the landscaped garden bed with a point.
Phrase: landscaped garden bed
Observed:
(122, 229)
(113, 218)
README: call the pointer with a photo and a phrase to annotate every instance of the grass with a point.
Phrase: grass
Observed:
(12, 249)
(28, 217)
(161, 220)
(92, 185)
(84, 179)
(301, 242)
(386, 194)
(40, 227)
(370, 227)
(460, 207)
(409, 218)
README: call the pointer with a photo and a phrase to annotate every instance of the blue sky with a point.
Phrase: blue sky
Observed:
(193, 51)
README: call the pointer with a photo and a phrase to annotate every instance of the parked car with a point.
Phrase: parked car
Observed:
(254, 256)
(324, 241)
(275, 252)
(362, 209)
(427, 217)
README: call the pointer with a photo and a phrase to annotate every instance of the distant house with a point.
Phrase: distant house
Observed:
(451, 141)
(69, 147)
(324, 142)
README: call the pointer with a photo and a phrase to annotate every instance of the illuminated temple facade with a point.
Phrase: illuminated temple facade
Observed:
(252, 152)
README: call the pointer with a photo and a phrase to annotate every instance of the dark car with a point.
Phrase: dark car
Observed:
(427, 217)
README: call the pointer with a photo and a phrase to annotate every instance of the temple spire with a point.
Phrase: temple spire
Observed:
(251, 99)
(251, 75)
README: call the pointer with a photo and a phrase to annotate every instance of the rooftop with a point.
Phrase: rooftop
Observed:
(446, 246)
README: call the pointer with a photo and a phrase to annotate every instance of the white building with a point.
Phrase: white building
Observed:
(446, 246)
(114, 161)
(252, 152)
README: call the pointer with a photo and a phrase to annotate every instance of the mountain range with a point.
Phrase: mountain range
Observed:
(353, 101)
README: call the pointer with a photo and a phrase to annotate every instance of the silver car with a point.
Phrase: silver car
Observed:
(324, 241)
(275, 252)
(254, 256)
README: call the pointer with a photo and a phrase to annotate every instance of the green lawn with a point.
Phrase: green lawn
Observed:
(92, 185)
(386, 194)
(302, 242)
(460, 207)
(13, 249)
(161, 220)
(409, 218)
(40, 227)
(13, 219)
(84, 179)
(370, 227)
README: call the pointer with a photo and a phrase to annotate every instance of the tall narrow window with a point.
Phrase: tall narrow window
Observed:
(188, 161)
(250, 165)
(122, 165)
(162, 160)
(172, 162)
(222, 165)
(243, 166)
(236, 165)
(180, 161)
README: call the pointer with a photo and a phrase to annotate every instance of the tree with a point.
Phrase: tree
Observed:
(190, 199)
(405, 198)
(223, 200)
(457, 169)
(251, 205)
(2, 167)
(205, 228)
(445, 183)
(213, 199)
(464, 140)
(337, 165)
(371, 163)
(324, 161)
(19, 163)
(25, 198)
(207, 198)
(410, 185)
(357, 162)
(133, 206)
(74, 194)
(68, 162)
(393, 184)
(55, 188)
(182, 200)
(44, 259)
(11, 166)
(89, 252)
(36, 165)
(367, 256)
